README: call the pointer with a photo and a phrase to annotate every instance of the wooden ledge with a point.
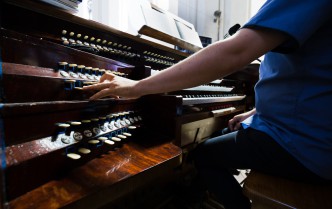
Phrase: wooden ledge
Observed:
(105, 179)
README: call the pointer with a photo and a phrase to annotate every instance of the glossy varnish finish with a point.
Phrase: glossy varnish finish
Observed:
(32, 147)
(105, 179)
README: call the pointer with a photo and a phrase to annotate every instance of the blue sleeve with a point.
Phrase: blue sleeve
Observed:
(297, 18)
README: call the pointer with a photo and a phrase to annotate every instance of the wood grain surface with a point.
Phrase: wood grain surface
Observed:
(106, 178)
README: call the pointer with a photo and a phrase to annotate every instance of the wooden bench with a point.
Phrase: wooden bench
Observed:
(269, 192)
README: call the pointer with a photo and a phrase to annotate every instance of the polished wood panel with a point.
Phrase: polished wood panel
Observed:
(107, 178)
(30, 128)
(271, 192)
(35, 97)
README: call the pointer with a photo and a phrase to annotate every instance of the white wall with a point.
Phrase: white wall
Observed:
(201, 14)
(111, 12)
(83, 10)
(125, 14)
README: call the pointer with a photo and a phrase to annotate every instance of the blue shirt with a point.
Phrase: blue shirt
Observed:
(294, 93)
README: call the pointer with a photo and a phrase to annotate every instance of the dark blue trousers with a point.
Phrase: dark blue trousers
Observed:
(244, 149)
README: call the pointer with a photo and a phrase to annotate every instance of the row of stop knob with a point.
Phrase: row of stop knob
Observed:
(72, 37)
(106, 140)
(87, 129)
(109, 130)
(97, 44)
(85, 39)
(83, 72)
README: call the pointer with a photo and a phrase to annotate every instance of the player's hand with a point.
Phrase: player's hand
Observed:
(111, 85)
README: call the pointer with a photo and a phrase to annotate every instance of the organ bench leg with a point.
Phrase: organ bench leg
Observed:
(270, 192)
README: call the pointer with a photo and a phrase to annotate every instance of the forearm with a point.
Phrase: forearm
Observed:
(215, 61)
(204, 66)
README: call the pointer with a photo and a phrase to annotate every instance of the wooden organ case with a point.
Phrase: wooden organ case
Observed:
(60, 150)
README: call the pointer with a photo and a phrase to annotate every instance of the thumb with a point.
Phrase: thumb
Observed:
(231, 123)
(106, 76)
(237, 126)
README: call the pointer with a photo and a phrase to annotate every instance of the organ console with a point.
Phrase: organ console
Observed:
(194, 114)
(60, 150)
